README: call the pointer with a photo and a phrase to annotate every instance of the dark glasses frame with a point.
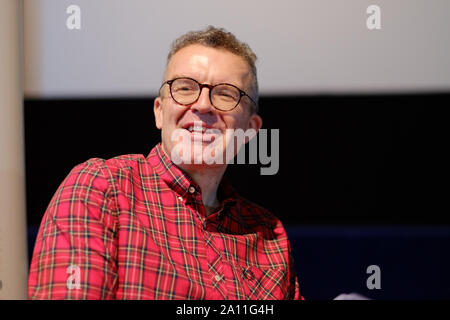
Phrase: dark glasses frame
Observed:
(242, 93)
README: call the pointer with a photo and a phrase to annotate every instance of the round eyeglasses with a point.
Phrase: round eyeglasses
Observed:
(223, 96)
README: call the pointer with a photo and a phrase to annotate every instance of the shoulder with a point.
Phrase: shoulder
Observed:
(127, 162)
(250, 207)
(107, 170)
(255, 216)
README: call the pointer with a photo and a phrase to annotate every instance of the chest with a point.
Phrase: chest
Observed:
(168, 249)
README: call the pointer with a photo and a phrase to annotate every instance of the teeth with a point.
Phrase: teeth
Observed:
(197, 129)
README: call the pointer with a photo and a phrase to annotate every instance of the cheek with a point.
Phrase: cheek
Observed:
(238, 121)
(172, 115)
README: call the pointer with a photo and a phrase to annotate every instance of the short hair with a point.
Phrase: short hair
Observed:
(221, 39)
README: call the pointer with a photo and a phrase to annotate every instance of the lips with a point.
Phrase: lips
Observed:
(198, 129)
(202, 130)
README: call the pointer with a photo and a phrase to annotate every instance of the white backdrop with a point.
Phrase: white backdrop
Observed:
(309, 46)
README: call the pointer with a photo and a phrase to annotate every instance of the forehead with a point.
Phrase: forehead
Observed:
(208, 64)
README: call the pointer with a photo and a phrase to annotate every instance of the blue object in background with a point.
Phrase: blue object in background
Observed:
(414, 261)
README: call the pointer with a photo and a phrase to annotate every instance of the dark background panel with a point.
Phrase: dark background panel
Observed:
(369, 159)
(412, 260)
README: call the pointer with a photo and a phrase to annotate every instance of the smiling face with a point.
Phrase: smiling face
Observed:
(211, 66)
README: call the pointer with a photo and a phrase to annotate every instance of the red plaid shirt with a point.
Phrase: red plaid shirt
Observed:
(135, 228)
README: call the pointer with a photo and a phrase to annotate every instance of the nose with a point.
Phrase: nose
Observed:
(203, 103)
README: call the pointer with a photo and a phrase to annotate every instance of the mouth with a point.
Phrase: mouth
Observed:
(200, 127)
(196, 129)
(202, 130)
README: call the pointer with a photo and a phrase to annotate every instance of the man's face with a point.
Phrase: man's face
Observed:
(211, 66)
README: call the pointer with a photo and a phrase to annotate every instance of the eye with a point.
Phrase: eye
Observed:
(184, 86)
(226, 93)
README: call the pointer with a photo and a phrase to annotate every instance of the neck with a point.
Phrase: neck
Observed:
(208, 179)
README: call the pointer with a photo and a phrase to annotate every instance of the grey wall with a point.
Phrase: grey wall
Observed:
(303, 47)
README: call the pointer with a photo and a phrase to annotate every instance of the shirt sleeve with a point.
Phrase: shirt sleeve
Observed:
(75, 250)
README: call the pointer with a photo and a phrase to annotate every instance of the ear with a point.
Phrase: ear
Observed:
(157, 110)
(255, 123)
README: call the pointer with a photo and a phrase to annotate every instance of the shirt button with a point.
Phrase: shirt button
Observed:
(180, 198)
(191, 189)
(218, 277)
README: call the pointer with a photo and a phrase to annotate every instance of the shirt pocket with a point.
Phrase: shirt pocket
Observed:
(263, 283)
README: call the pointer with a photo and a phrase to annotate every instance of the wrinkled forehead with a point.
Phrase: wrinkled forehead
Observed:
(211, 65)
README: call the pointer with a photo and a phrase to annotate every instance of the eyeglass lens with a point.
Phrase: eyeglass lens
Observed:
(223, 96)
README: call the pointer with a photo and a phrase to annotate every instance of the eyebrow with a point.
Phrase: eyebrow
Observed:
(186, 76)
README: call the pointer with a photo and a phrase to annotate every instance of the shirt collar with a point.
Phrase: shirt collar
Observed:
(180, 181)
(175, 178)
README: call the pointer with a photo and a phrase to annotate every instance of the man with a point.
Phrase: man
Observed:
(146, 228)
